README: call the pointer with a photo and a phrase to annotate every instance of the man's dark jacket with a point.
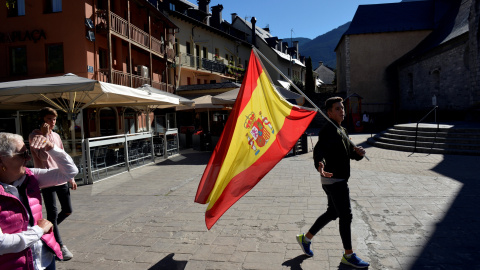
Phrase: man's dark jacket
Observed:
(335, 151)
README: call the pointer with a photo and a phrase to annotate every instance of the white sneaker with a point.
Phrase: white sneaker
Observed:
(67, 255)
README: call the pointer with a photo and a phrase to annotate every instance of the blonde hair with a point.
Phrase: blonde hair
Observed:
(7, 143)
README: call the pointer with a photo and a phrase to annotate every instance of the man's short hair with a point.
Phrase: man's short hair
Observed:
(330, 101)
(47, 111)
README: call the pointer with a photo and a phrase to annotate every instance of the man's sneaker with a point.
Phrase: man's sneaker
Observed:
(304, 245)
(67, 255)
(354, 261)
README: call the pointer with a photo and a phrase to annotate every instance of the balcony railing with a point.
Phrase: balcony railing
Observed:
(187, 60)
(139, 36)
(122, 78)
(213, 66)
(118, 24)
(159, 85)
(138, 81)
(158, 46)
(202, 63)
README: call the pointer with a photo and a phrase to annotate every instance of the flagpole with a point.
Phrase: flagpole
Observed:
(257, 53)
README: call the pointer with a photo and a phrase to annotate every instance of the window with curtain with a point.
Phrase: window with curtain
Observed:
(52, 6)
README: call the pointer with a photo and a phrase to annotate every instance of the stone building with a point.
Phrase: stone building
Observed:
(399, 56)
(443, 69)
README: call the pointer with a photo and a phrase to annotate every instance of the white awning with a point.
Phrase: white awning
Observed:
(71, 93)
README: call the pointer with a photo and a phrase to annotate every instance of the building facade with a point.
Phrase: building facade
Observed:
(288, 60)
(208, 49)
(442, 70)
(406, 66)
(125, 42)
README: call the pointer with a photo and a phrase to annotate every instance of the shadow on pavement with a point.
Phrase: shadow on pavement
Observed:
(454, 242)
(342, 266)
(187, 158)
(169, 263)
(295, 263)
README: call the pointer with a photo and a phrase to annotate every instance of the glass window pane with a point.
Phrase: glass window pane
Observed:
(54, 58)
(18, 61)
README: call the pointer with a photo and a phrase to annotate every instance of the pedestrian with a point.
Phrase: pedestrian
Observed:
(332, 155)
(26, 239)
(41, 159)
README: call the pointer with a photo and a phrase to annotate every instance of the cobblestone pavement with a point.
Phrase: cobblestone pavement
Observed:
(411, 211)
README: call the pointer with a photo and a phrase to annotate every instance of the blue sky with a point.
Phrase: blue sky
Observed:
(307, 18)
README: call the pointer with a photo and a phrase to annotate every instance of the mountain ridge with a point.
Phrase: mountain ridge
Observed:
(322, 47)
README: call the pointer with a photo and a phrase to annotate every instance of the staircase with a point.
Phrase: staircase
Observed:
(456, 139)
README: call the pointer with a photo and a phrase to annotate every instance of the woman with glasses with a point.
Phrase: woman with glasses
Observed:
(26, 239)
(41, 159)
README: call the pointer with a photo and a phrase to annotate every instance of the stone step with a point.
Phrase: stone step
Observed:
(444, 134)
(438, 138)
(429, 144)
(428, 150)
(442, 128)
(460, 139)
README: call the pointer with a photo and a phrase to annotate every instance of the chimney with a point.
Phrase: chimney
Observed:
(216, 16)
(203, 5)
(320, 63)
(295, 44)
(234, 16)
(284, 47)
(254, 32)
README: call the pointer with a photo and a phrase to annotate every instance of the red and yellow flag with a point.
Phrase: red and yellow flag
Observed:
(261, 129)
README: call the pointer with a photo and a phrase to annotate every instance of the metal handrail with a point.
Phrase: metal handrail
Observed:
(416, 129)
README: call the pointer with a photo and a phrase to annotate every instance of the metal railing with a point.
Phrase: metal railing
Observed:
(416, 128)
(108, 156)
(213, 66)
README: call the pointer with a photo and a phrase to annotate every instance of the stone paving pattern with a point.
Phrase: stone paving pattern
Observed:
(411, 211)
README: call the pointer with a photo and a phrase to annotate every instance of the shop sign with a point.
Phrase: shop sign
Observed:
(33, 35)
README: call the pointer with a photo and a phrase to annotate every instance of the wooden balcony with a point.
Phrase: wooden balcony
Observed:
(158, 46)
(163, 86)
(122, 78)
(139, 36)
(120, 27)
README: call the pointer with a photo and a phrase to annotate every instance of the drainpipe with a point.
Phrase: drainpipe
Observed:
(254, 33)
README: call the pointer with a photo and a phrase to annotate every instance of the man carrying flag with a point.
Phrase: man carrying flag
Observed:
(331, 156)
(260, 131)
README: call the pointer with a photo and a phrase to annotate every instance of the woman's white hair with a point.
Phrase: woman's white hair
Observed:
(8, 143)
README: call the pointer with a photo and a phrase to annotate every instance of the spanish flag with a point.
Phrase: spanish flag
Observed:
(261, 129)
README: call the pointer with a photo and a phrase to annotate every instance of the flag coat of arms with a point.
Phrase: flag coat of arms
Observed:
(261, 129)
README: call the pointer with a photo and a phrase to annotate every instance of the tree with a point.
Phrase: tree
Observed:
(309, 81)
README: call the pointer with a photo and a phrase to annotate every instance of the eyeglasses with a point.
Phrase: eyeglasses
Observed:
(25, 154)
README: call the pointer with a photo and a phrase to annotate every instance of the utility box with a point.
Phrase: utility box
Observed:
(142, 71)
